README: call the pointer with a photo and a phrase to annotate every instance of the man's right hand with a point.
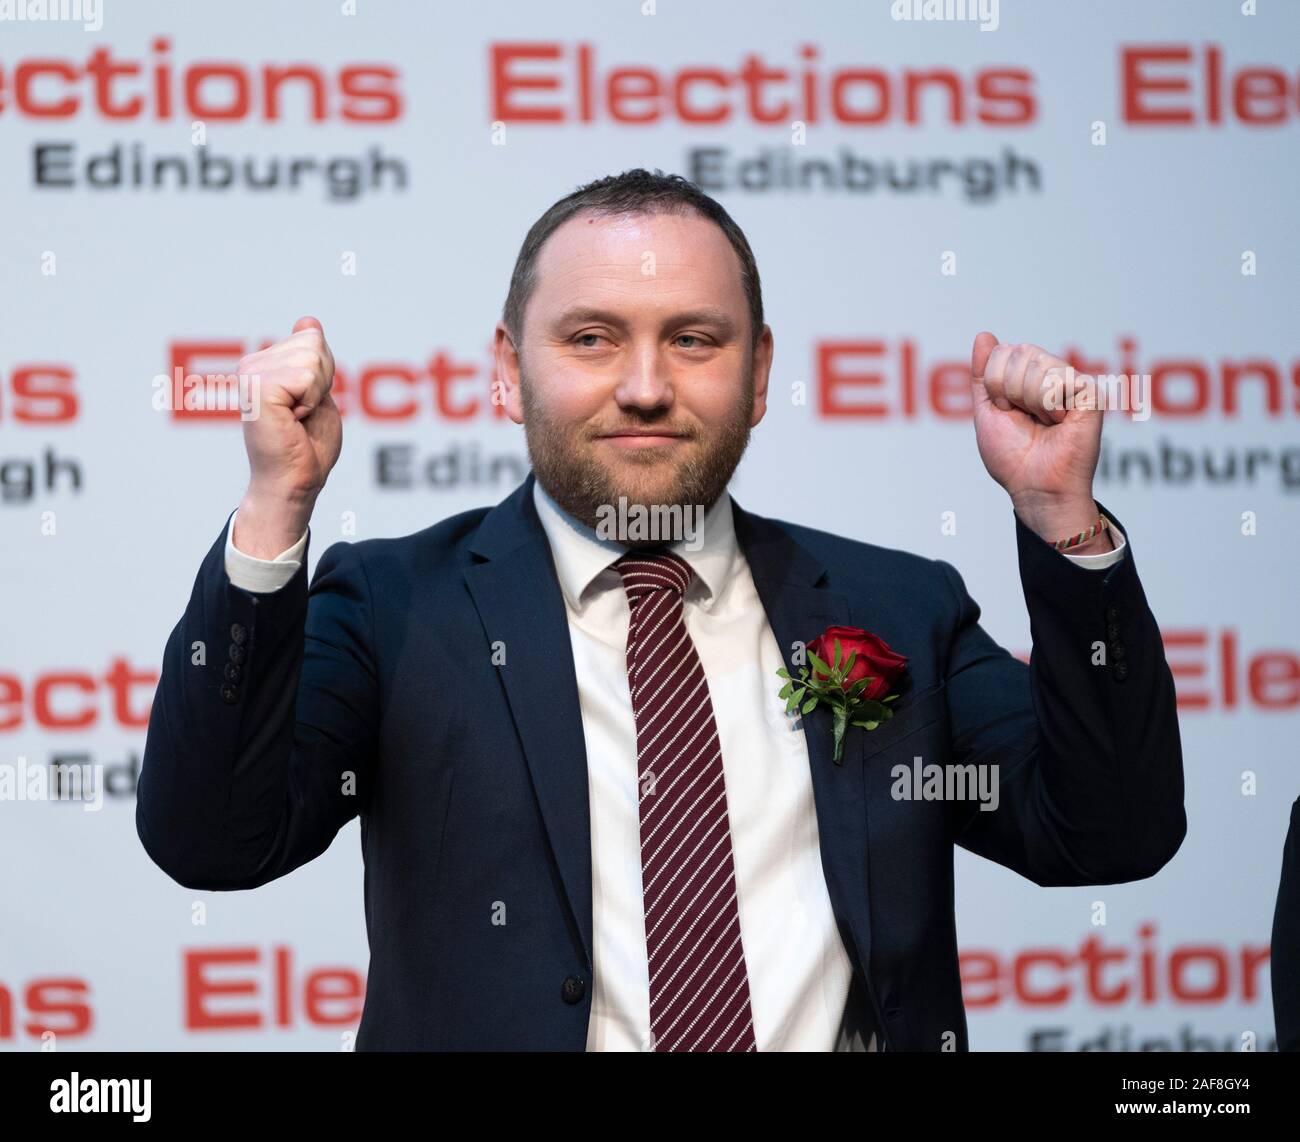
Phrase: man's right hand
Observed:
(292, 442)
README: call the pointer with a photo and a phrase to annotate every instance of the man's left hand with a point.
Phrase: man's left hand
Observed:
(1038, 428)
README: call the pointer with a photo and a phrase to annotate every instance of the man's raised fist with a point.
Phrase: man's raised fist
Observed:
(292, 442)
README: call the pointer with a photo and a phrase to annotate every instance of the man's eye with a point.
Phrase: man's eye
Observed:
(587, 340)
(699, 342)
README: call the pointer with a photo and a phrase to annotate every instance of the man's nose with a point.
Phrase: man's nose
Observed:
(646, 383)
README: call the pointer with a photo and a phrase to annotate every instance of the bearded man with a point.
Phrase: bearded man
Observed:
(593, 816)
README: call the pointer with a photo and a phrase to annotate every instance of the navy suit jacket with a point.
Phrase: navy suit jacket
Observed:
(374, 693)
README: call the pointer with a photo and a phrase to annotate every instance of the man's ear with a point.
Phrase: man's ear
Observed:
(506, 385)
(763, 352)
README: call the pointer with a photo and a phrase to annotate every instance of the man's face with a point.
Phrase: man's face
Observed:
(635, 376)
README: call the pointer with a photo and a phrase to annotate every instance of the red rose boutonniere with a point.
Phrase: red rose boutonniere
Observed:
(853, 672)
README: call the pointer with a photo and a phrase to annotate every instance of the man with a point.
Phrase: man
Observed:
(1285, 944)
(586, 817)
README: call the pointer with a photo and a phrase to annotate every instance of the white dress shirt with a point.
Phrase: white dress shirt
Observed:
(799, 971)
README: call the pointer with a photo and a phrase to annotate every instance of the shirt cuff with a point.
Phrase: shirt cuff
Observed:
(1106, 558)
(261, 576)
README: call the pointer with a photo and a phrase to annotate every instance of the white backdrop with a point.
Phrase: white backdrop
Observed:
(1045, 187)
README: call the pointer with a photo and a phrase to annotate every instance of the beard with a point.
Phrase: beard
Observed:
(565, 461)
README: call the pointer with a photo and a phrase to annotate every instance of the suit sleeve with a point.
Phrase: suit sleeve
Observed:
(1085, 737)
(262, 735)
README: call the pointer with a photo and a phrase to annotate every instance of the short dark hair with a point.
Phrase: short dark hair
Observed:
(632, 192)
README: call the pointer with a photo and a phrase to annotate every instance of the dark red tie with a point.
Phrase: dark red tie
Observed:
(699, 989)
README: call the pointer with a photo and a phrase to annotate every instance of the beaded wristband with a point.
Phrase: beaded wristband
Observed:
(1074, 540)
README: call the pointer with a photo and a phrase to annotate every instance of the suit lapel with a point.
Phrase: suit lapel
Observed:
(519, 602)
(791, 583)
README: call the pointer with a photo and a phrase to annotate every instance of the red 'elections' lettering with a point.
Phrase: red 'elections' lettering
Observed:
(442, 388)
(39, 394)
(874, 378)
(163, 89)
(1105, 974)
(556, 83)
(1177, 85)
(57, 1006)
(77, 699)
(329, 997)
(1209, 671)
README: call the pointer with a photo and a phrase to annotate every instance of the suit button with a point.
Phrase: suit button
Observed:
(573, 990)
(229, 694)
(1112, 613)
(232, 673)
(1117, 651)
(238, 634)
(1113, 632)
(236, 654)
(1121, 671)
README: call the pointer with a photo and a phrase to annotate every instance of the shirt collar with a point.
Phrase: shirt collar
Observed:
(581, 555)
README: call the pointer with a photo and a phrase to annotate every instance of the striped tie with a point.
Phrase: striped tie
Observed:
(699, 989)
